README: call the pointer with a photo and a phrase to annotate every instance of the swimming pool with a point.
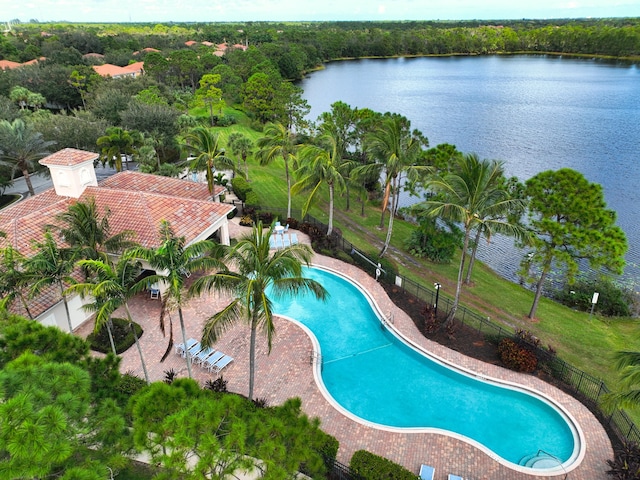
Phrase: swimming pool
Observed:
(380, 379)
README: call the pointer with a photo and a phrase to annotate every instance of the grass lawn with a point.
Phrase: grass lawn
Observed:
(584, 341)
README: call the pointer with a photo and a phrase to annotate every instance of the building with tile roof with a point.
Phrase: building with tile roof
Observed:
(114, 71)
(9, 65)
(136, 201)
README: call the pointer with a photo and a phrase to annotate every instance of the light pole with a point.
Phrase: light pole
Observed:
(437, 287)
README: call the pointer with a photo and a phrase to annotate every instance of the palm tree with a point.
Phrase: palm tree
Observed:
(516, 210)
(340, 123)
(209, 155)
(21, 147)
(396, 150)
(111, 286)
(257, 272)
(84, 230)
(51, 265)
(242, 147)
(114, 144)
(173, 263)
(14, 279)
(474, 194)
(278, 142)
(627, 394)
(320, 164)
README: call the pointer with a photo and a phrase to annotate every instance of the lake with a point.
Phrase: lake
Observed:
(533, 112)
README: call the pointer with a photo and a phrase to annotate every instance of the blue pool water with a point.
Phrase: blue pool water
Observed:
(377, 377)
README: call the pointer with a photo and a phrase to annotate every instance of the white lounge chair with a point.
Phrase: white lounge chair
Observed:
(180, 348)
(286, 241)
(209, 362)
(426, 472)
(272, 242)
(220, 364)
(294, 238)
(193, 351)
(279, 242)
(454, 477)
(203, 355)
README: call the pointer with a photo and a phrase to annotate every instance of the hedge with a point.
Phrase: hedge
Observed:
(374, 467)
(240, 187)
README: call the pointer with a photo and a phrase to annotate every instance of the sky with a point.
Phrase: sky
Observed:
(110, 11)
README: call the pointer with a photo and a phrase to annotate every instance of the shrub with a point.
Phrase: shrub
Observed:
(246, 221)
(626, 462)
(434, 243)
(130, 384)
(170, 375)
(260, 402)
(123, 336)
(516, 357)
(232, 213)
(528, 338)
(223, 120)
(240, 187)
(374, 467)
(293, 223)
(218, 385)
(328, 446)
(613, 301)
(431, 323)
(266, 218)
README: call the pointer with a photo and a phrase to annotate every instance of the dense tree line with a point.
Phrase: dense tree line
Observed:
(149, 116)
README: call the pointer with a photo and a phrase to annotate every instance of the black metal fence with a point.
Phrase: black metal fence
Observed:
(586, 387)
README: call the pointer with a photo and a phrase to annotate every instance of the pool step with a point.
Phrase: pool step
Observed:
(539, 460)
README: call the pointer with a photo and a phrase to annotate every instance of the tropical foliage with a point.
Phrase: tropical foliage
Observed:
(570, 222)
(473, 193)
(257, 274)
(21, 146)
(173, 262)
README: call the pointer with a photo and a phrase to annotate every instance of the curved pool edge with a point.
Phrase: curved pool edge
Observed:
(570, 464)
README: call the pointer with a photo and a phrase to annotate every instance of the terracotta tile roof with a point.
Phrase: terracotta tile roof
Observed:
(207, 44)
(137, 202)
(190, 43)
(134, 67)
(143, 212)
(146, 50)
(68, 157)
(9, 64)
(136, 181)
(109, 70)
(25, 221)
(34, 61)
(93, 55)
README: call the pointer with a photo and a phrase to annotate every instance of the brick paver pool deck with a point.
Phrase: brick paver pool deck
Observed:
(287, 372)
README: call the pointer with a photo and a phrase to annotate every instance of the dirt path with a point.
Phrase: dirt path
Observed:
(467, 297)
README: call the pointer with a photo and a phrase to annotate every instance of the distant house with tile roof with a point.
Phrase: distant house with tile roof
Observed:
(97, 56)
(9, 65)
(146, 50)
(136, 201)
(114, 71)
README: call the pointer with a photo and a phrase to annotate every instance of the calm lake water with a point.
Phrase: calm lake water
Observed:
(535, 113)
